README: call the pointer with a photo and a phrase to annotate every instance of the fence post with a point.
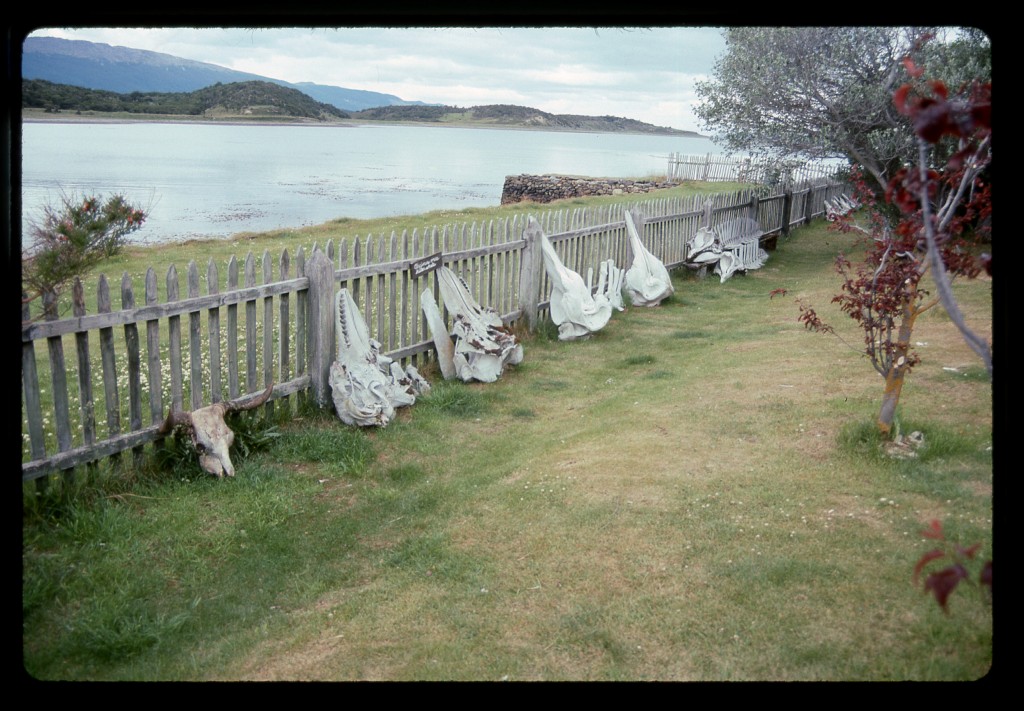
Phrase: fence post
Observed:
(752, 211)
(787, 209)
(706, 214)
(320, 324)
(529, 274)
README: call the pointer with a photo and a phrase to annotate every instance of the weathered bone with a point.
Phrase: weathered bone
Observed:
(704, 247)
(741, 237)
(366, 385)
(482, 345)
(734, 246)
(647, 281)
(439, 332)
(727, 265)
(575, 311)
(208, 432)
(839, 206)
(610, 283)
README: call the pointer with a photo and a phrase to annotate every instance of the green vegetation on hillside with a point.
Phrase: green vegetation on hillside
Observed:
(509, 115)
(255, 98)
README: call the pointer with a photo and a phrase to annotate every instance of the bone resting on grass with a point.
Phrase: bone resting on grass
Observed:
(733, 246)
(574, 309)
(609, 283)
(480, 345)
(366, 385)
(209, 433)
(647, 280)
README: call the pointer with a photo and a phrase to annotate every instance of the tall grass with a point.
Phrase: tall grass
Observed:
(694, 493)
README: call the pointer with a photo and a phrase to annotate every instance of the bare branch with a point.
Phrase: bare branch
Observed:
(942, 281)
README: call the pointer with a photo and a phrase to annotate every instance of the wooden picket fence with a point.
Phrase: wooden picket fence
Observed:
(273, 321)
(718, 168)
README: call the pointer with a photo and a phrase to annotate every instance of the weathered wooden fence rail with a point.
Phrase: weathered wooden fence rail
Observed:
(273, 321)
(711, 167)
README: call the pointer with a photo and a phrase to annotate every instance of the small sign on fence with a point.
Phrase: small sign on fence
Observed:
(426, 265)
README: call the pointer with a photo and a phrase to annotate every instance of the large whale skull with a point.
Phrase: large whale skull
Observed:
(367, 385)
(647, 280)
(210, 435)
(574, 309)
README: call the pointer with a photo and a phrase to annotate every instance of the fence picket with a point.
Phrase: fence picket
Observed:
(134, 361)
(284, 346)
(58, 378)
(404, 297)
(233, 382)
(86, 404)
(153, 369)
(381, 287)
(108, 361)
(213, 329)
(174, 342)
(195, 342)
(392, 296)
(30, 385)
(301, 309)
(250, 325)
(268, 331)
(415, 316)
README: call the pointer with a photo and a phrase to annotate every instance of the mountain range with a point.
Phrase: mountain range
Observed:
(93, 65)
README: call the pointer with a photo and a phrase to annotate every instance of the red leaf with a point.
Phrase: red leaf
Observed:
(912, 69)
(969, 551)
(934, 530)
(932, 120)
(944, 582)
(899, 98)
(939, 87)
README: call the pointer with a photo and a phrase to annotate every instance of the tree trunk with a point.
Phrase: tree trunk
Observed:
(898, 370)
(890, 399)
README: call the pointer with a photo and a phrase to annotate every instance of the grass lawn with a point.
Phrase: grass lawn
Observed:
(693, 494)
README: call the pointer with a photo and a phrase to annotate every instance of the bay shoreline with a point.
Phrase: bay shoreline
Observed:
(42, 117)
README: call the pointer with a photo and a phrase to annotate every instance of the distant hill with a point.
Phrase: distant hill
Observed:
(94, 65)
(250, 98)
(513, 116)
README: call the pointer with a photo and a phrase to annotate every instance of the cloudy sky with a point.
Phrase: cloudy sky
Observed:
(646, 74)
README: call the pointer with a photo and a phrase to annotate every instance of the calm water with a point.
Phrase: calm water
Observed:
(213, 181)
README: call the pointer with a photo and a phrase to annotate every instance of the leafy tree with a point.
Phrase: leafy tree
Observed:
(817, 92)
(944, 210)
(71, 239)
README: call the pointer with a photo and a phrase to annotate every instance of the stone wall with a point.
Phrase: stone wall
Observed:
(545, 188)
